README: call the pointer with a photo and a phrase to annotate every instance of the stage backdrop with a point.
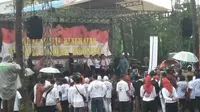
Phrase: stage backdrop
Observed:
(78, 39)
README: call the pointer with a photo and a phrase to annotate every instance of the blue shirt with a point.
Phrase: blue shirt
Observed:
(181, 89)
(123, 66)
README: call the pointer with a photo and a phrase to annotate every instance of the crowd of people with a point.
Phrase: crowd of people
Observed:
(158, 90)
(123, 89)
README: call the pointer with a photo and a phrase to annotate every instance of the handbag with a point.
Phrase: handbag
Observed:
(84, 98)
(59, 107)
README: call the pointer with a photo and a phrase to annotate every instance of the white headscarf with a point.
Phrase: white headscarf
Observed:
(99, 78)
(105, 78)
(87, 80)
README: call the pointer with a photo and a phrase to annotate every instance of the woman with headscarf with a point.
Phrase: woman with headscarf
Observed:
(131, 90)
(148, 94)
(170, 96)
(107, 99)
(87, 103)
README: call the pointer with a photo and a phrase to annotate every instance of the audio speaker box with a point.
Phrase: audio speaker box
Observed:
(186, 26)
(34, 27)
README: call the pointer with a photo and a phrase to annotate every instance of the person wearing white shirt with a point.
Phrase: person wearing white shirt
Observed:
(123, 95)
(64, 95)
(97, 91)
(148, 95)
(52, 98)
(170, 96)
(191, 94)
(197, 90)
(76, 94)
(88, 102)
(181, 89)
(97, 65)
(107, 100)
(90, 63)
(18, 97)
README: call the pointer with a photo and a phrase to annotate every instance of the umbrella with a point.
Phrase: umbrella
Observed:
(168, 63)
(49, 70)
(28, 72)
(186, 57)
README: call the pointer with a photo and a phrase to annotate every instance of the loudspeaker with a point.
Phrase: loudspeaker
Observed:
(186, 26)
(34, 27)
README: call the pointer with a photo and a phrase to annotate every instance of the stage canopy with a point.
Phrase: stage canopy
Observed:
(131, 5)
(134, 5)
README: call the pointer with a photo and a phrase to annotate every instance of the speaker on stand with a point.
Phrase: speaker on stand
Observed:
(186, 26)
(34, 27)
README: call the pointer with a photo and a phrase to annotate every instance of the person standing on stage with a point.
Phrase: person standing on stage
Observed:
(170, 96)
(71, 61)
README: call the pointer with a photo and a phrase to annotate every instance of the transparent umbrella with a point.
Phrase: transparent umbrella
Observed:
(186, 57)
(49, 70)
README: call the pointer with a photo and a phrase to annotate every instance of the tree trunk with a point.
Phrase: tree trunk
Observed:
(195, 32)
(18, 32)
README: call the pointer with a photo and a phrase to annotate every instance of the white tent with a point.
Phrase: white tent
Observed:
(6, 5)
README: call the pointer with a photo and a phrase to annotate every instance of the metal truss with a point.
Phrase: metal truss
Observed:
(47, 44)
(76, 14)
(79, 15)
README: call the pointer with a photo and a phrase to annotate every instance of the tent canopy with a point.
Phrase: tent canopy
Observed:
(139, 5)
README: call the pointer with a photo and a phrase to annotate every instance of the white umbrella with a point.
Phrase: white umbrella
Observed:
(28, 72)
(49, 70)
(186, 57)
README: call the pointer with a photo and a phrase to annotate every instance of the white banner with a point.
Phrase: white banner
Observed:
(153, 54)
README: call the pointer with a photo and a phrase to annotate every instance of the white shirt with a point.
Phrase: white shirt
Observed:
(17, 98)
(109, 89)
(74, 96)
(90, 62)
(181, 89)
(97, 89)
(47, 83)
(52, 97)
(169, 96)
(122, 89)
(194, 77)
(34, 94)
(192, 87)
(147, 97)
(131, 90)
(97, 63)
(86, 89)
(104, 63)
(197, 87)
(64, 91)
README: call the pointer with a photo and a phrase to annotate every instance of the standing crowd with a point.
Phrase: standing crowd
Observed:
(149, 92)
